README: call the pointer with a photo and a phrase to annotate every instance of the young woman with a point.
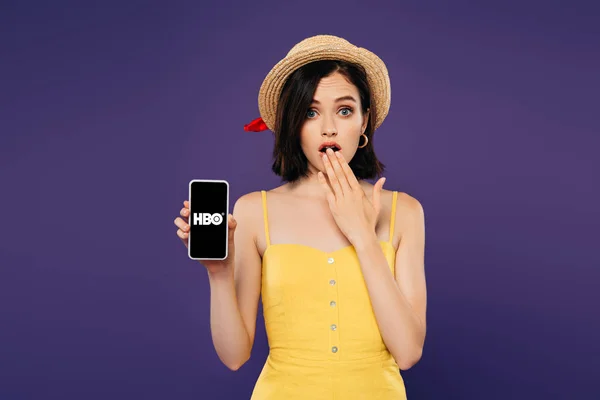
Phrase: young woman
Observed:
(339, 262)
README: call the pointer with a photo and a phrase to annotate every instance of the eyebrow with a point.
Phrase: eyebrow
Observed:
(338, 99)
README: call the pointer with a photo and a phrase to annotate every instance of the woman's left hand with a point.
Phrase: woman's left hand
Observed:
(355, 214)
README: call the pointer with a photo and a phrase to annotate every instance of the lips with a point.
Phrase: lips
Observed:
(333, 145)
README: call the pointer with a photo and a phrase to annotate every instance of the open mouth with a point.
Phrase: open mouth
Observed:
(329, 145)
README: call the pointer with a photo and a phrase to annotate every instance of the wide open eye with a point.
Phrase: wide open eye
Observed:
(347, 109)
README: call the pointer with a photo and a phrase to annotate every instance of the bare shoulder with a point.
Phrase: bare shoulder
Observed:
(408, 212)
(247, 211)
(248, 202)
(404, 202)
(408, 204)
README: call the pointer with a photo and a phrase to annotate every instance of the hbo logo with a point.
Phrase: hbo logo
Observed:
(207, 219)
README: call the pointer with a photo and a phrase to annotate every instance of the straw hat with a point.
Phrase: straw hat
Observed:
(316, 48)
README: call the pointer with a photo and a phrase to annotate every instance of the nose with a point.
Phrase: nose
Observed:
(329, 129)
(329, 133)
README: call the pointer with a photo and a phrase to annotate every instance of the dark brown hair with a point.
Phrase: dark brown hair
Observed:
(296, 96)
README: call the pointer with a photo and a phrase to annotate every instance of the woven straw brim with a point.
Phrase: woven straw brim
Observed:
(377, 77)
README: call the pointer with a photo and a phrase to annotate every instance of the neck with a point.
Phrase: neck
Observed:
(311, 187)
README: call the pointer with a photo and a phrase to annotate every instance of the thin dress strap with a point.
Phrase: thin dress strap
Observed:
(264, 203)
(393, 218)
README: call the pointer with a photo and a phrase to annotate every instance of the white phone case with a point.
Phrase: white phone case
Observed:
(225, 219)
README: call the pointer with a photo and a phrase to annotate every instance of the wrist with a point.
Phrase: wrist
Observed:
(365, 240)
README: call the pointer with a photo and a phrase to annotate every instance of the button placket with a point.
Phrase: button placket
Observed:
(333, 323)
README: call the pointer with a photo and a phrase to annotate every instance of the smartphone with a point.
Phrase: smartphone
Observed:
(209, 208)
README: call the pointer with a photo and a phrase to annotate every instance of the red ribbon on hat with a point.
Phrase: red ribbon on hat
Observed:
(256, 125)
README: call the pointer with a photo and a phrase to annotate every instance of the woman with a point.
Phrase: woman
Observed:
(339, 262)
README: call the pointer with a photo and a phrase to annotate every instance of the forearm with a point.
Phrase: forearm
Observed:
(400, 327)
(229, 334)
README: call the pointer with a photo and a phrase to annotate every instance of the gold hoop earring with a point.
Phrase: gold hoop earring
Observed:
(366, 141)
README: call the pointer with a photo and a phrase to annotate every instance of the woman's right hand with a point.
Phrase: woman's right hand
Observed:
(184, 231)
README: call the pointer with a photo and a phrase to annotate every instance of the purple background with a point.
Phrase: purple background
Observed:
(109, 109)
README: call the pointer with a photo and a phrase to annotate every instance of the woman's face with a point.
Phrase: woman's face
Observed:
(335, 116)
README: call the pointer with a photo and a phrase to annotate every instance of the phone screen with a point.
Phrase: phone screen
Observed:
(209, 207)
